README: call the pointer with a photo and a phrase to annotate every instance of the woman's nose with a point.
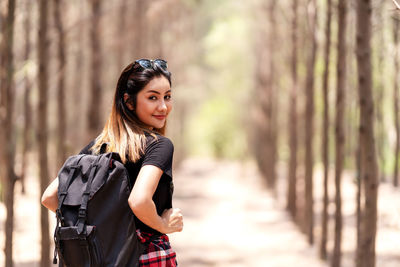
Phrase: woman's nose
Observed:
(162, 106)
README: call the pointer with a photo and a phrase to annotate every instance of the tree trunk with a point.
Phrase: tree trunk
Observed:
(262, 74)
(325, 130)
(121, 35)
(156, 15)
(380, 127)
(368, 161)
(358, 209)
(309, 126)
(77, 111)
(292, 179)
(26, 141)
(7, 135)
(266, 84)
(396, 101)
(339, 133)
(61, 110)
(42, 128)
(138, 29)
(95, 98)
(272, 123)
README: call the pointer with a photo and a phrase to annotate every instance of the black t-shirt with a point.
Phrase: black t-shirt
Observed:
(159, 153)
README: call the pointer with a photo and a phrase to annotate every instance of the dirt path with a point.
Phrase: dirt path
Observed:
(230, 220)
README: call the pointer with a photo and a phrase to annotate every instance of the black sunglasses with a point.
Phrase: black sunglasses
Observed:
(150, 63)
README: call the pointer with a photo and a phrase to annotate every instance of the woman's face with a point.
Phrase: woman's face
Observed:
(153, 103)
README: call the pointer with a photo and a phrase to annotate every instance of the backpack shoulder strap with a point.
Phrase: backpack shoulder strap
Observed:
(63, 188)
(86, 194)
(103, 148)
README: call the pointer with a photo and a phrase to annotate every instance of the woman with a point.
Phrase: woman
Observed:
(135, 129)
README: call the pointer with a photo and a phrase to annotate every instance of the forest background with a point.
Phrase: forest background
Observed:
(297, 86)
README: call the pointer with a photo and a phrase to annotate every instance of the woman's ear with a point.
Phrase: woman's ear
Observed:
(128, 101)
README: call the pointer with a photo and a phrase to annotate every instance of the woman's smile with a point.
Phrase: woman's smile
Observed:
(160, 117)
(154, 103)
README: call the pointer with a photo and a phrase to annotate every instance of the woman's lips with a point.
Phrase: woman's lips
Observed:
(159, 117)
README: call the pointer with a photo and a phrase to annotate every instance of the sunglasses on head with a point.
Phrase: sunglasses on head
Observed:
(150, 63)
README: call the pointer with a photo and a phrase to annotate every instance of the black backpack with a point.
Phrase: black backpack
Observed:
(95, 225)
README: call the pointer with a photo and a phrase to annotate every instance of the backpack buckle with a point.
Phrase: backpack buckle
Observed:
(58, 214)
(82, 213)
(59, 217)
(81, 227)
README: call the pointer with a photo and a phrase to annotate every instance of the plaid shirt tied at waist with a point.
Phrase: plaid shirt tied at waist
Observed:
(158, 253)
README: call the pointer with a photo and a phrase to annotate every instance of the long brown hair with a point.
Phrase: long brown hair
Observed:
(123, 132)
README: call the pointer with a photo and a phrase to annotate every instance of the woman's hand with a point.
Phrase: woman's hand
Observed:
(173, 221)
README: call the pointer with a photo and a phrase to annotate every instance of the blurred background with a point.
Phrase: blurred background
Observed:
(285, 122)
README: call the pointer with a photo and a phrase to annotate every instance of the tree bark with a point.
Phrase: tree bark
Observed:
(325, 130)
(26, 141)
(261, 149)
(138, 32)
(155, 30)
(339, 132)
(77, 111)
(358, 209)
(266, 131)
(380, 128)
(121, 35)
(61, 110)
(368, 161)
(7, 174)
(396, 23)
(309, 126)
(42, 128)
(272, 123)
(95, 98)
(292, 179)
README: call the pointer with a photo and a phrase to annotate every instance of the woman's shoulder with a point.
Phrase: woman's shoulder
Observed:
(159, 152)
(159, 146)
(158, 140)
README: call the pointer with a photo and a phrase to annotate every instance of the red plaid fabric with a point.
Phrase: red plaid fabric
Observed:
(158, 253)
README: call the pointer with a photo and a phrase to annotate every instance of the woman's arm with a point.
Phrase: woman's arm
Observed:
(142, 204)
(49, 198)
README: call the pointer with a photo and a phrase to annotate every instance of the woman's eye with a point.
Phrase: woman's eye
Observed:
(153, 97)
(167, 97)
